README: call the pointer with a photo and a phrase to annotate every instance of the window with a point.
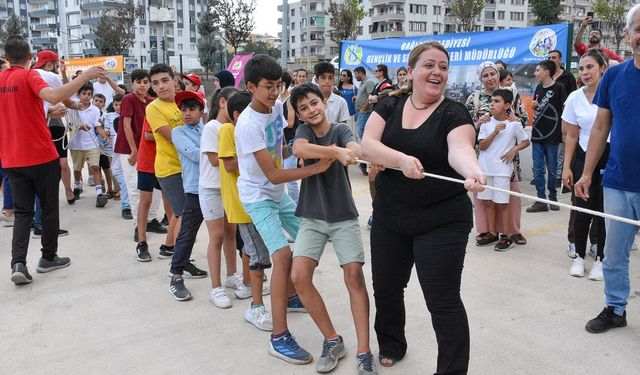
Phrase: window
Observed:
(436, 10)
(418, 26)
(488, 28)
(179, 32)
(180, 46)
(293, 38)
(193, 47)
(418, 9)
(437, 28)
(179, 5)
(517, 16)
(143, 45)
(293, 53)
(153, 31)
(517, 2)
(293, 25)
(75, 48)
(293, 12)
(142, 30)
(489, 15)
(501, 14)
(449, 28)
(73, 19)
(75, 34)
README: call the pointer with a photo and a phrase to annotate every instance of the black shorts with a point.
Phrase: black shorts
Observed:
(105, 162)
(147, 182)
(59, 136)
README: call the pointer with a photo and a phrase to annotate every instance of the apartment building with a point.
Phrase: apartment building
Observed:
(166, 29)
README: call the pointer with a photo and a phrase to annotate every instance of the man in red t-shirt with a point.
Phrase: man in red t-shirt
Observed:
(132, 113)
(29, 156)
(595, 37)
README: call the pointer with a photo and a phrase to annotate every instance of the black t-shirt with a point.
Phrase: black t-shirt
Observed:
(547, 120)
(327, 196)
(427, 202)
(568, 81)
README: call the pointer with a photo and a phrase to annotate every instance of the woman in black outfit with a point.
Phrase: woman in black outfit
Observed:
(417, 220)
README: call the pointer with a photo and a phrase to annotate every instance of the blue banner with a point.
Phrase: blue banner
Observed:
(513, 46)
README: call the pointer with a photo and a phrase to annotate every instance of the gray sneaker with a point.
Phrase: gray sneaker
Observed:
(20, 274)
(365, 365)
(178, 290)
(332, 351)
(51, 265)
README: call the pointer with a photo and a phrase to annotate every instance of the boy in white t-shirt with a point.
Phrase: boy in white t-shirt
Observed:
(500, 140)
(84, 145)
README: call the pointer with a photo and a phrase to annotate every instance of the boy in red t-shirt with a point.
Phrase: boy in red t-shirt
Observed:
(147, 182)
(29, 156)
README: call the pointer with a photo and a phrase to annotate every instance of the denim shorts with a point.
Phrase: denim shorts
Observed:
(345, 237)
(173, 189)
(147, 182)
(271, 218)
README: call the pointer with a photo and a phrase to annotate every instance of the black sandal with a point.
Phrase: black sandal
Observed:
(480, 235)
(519, 239)
(391, 361)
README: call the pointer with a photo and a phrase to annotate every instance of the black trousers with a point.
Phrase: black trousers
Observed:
(42, 180)
(438, 255)
(191, 221)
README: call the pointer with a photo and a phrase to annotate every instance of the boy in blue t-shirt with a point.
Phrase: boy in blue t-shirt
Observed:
(328, 212)
(258, 138)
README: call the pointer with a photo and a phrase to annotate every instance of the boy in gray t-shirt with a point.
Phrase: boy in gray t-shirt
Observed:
(328, 212)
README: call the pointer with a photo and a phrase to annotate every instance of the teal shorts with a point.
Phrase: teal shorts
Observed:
(271, 218)
(344, 235)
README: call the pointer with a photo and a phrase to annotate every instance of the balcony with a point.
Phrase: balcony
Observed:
(386, 2)
(315, 42)
(43, 40)
(91, 52)
(42, 12)
(38, 2)
(489, 22)
(387, 34)
(157, 14)
(44, 26)
(90, 21)
(97, 4)
(391, 16)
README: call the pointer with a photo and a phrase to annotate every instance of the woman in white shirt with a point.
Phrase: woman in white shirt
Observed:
(577, 119)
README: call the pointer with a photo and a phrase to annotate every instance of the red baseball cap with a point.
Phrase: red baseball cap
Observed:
(194, 78)
(182, 96)
(44, 57)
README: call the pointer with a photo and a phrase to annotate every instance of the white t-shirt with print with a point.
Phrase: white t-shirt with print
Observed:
(579, 112)
(86, 139)
(490, 159)
(254, 132)
(209, 175)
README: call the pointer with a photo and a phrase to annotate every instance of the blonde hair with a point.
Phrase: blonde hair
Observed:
(413, 60)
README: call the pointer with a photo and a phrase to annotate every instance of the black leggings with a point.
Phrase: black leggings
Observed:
(582, 221)
(438, 255)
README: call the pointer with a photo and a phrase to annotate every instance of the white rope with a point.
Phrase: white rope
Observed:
(73, 125)
(521, 195)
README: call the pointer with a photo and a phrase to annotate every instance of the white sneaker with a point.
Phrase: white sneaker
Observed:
(91, 182)
(218, 296)
(8, 221)
(634, 245)
(593, 251)
(577, 268)
(243, 292)
(571, 250)
(596, 271)
(259, 317)
(234, 282)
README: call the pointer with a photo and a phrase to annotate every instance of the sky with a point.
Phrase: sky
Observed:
(266, 16)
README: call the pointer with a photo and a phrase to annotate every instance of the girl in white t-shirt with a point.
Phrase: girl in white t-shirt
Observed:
(577, 119)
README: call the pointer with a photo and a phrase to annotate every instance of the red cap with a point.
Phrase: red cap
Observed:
(181, 96)
(194, 78)
(44, 57)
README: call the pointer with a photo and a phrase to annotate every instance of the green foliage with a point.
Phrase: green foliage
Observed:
(547, 11)
(115, 32)
(234, 19)
(261, 47)
(466, 12)
(612, 14)
(345, 19)
(11, 27)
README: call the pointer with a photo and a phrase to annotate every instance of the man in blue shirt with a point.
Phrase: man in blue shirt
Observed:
(618, 99)
(186, 140)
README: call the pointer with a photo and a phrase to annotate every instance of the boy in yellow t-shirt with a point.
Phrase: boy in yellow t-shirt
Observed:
(254, 248)
(163, 115)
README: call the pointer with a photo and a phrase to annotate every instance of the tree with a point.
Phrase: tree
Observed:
(262, 47)
(115, 32)
(466, 12)
(547, 11)
(11, 27)
(613, 14)
(234, 20)
(345, 17)
(208, 46)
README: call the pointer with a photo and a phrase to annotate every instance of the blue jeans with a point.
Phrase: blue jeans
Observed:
(545, 154)
(292, 187)
(124, 195)
(362, 118)
(37, 216)
(7, 203)
(191, 221)
(620, 236)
